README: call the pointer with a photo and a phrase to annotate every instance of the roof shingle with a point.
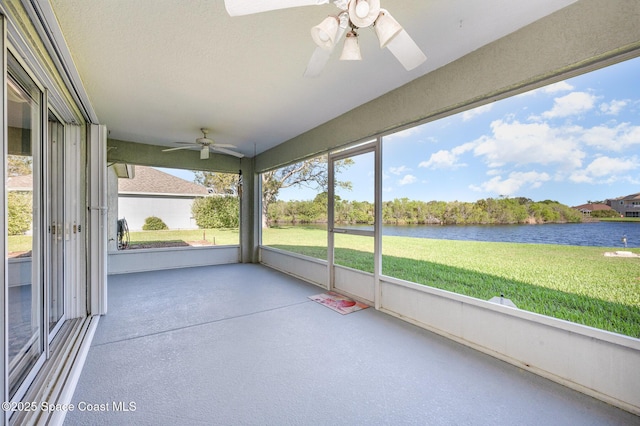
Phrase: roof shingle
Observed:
(148, 180)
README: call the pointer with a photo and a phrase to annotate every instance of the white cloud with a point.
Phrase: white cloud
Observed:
(606, 170)
(411, 131)
(618, 138)
(445, 159)
(442, 159)
(399, 170)
(408, 179)
(532, 143)
(561, 86)
(468, 115)
(512, 184)
(574, 103)
(612, 108)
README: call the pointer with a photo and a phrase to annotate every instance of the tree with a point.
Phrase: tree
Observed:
(19, 212)
(216, 211)
(19, 165)
(219, 183)
(310, 173)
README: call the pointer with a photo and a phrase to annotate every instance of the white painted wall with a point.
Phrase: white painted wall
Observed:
(141, 260)
(174, 211)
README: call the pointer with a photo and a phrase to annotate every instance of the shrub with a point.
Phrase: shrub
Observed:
(216, 212)
(19, 212)
(153, 223)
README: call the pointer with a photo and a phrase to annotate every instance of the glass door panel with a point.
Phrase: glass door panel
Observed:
(351, 221)
(24, 234)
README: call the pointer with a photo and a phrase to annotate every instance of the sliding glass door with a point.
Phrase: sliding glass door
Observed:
(37, 230)
(25, 258)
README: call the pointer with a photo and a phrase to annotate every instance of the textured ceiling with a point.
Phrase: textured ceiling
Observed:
(156, 71)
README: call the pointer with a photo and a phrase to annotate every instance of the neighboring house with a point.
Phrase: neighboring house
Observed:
(628, 206)
(587, 209)
(154, 193)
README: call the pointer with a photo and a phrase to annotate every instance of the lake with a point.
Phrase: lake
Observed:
(598, 234)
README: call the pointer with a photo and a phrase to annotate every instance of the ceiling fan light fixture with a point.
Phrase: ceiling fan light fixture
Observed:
(324, 34)
(386, 28)
(363, 12)
(362, 8)
(204, 153)
(351, 49)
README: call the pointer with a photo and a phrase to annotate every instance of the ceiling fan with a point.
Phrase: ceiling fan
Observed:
(205, 144)
(352, 16)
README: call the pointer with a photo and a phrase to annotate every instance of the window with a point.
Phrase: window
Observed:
(480, 203)
(294, 208)
(177, 208)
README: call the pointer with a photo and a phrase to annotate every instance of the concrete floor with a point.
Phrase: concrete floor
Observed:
(242, 344)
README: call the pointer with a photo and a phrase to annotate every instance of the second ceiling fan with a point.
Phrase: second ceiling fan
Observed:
(205, 144)
(353, 15)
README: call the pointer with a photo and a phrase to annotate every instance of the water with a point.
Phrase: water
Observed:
(597, 234)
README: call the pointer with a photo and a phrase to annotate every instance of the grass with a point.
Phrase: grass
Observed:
(578, 284)
(22, 243)
(619, 219)
(184, 237)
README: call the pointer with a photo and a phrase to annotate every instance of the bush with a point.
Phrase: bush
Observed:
(153, 223)
(19, 212)
(216, 212)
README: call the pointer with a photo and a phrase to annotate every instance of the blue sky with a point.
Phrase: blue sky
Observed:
(571, 141)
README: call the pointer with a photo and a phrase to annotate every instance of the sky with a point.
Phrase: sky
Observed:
(573, 141)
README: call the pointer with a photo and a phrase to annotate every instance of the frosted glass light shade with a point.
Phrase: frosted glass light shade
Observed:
(324, 34)
(386, 28)
(357, 9)
(204, 153)
(351, 49)
(362, 8)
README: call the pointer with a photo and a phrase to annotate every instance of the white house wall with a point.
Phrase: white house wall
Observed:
(175, 212)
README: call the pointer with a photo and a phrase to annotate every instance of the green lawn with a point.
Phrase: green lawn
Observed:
(574, 283)
(22, 243)
(184, 237)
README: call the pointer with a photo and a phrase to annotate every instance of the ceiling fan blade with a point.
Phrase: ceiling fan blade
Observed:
(226, 151)
(406, 51)
(320, 57)
(318, 61)
(223, 145)
(248, 7)
(176, 149)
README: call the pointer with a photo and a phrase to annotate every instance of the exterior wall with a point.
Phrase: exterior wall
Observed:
(174, 211)
(141, 260)
(627, 208)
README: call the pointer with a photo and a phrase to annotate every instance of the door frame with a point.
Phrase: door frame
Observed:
(359, 149)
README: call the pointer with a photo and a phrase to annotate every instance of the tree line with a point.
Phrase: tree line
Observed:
(403, 211)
